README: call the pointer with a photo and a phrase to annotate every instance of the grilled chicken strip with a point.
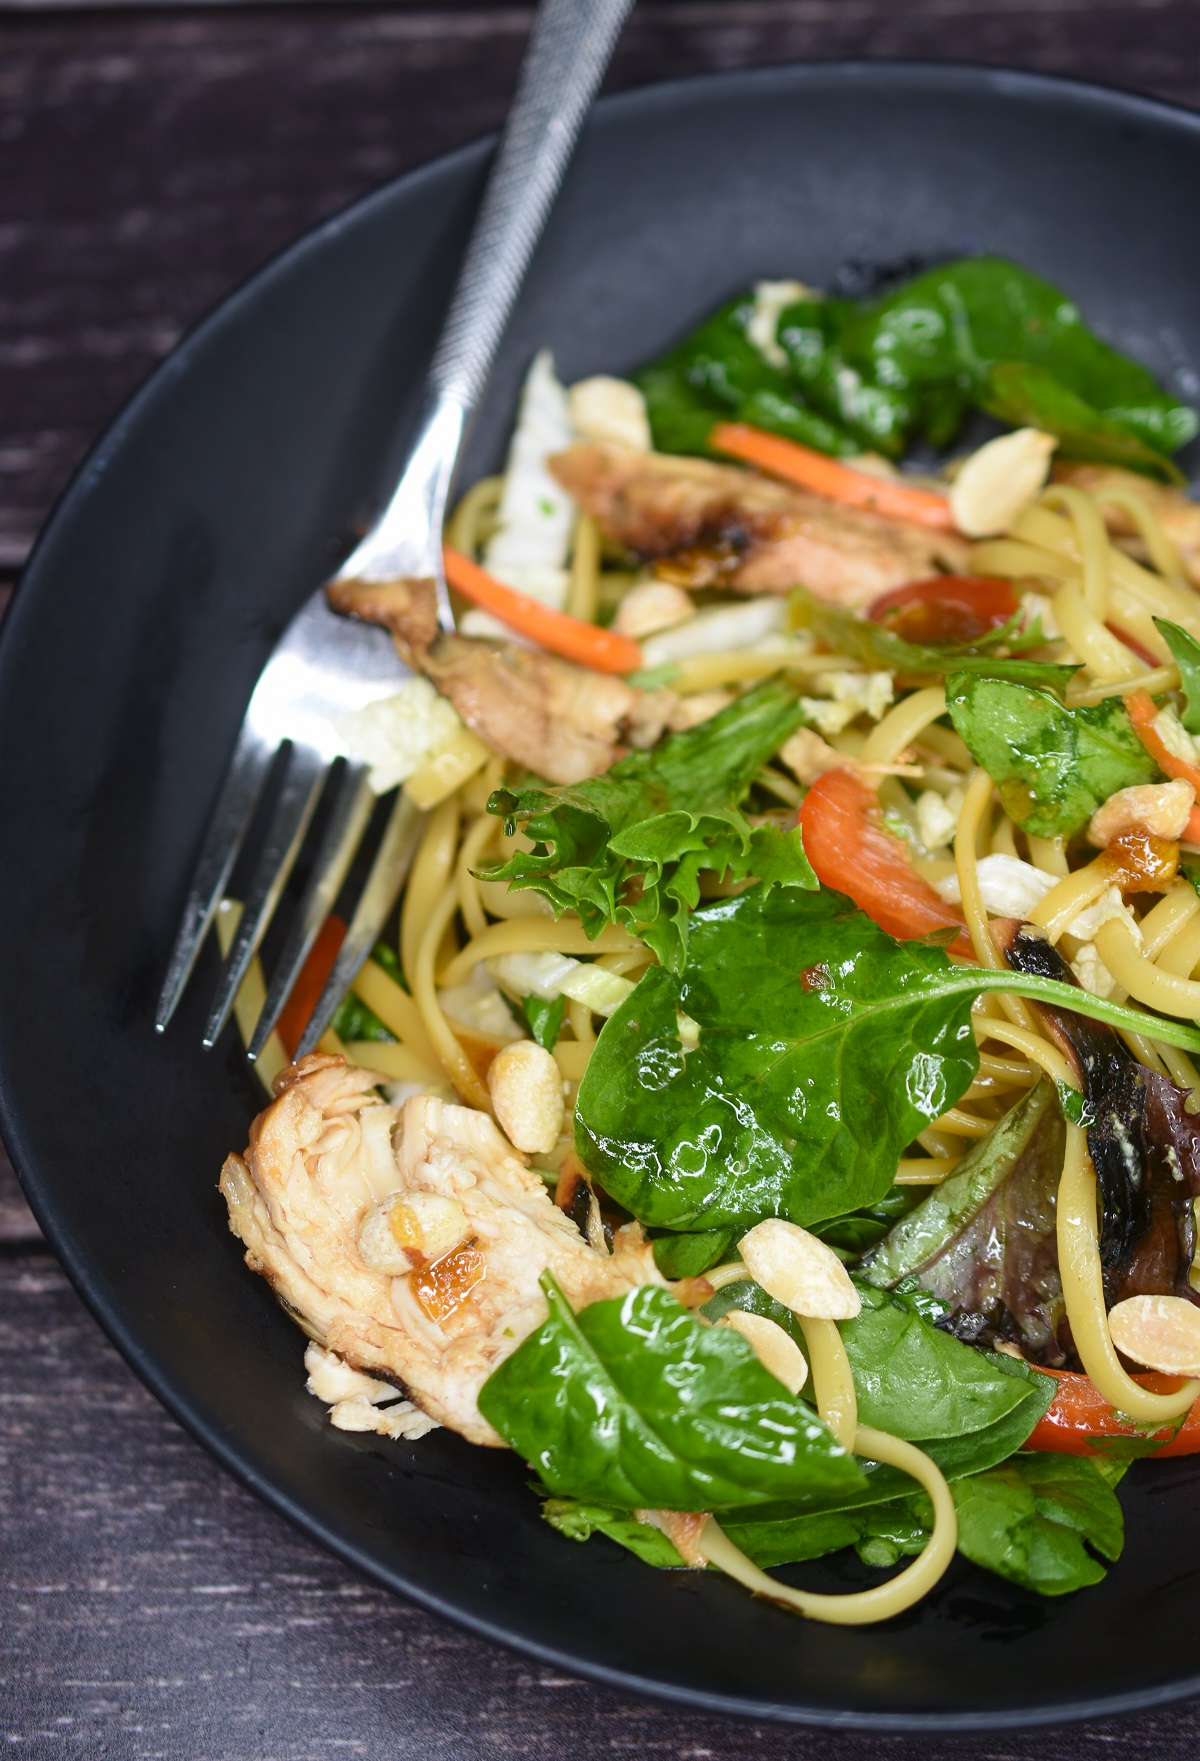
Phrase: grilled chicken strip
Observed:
(1179, 517)
(732, 527)
(564, 722)
(326, 1154)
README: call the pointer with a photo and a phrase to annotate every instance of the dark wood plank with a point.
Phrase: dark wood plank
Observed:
(153, 159)
(151, 1608)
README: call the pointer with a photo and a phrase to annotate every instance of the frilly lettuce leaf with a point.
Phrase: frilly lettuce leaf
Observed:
(629, 847)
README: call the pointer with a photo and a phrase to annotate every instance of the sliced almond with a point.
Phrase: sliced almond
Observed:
(525, 1084)
(799, 1271)
(996, 484)
(775, 1350)
(1162, 1332)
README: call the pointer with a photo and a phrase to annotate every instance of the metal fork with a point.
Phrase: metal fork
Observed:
(324, 666)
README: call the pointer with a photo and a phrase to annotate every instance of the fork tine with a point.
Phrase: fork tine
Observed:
(350, 812)
(248, 768)
(306, 772)
(388, 873)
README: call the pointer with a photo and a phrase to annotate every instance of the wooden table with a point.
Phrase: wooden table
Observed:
(153, 157)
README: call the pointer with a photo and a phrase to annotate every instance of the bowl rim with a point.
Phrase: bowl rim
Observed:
(895, 72)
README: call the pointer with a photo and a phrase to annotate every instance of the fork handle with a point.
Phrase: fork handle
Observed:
(569, 49)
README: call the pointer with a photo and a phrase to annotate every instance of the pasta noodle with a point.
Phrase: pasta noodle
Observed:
(1083, 1289)
(859, 1606)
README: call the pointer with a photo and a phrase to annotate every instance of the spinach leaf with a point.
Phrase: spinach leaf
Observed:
(634, 1402)
(877, 415)
(1029, 397)
(882, 1534)
(544, 1019)
(918, 1382)
(629, 846)
(686, 1256)
(717, 372)
(681, 418)
(858, 637)
(984, 1240)
(1185, 652)
(1033, 1518)
(825, 1046)
(956, 322)
(1052, 766)
(579, 1521)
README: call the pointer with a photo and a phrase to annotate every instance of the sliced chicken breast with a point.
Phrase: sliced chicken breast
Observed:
(731, 527)
(564, 722)
(327, 1161)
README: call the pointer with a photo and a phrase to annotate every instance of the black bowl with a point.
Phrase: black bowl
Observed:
(220, 497)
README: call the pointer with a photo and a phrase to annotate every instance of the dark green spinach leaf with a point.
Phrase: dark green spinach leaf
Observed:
(825, 1046)
(1052, 766)
(1033, 1519)
(634, 1402)
(687, 1256)
(1026, 396)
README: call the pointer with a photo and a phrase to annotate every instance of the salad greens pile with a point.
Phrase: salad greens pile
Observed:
(823, 1047)
(876, 375)
(786, 1052)
(628, 847)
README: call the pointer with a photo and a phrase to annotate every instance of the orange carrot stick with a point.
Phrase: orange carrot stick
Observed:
(829, 477)
(586, 644)
(1142, 713)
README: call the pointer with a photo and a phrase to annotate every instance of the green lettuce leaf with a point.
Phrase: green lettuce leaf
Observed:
(1052, 766)
(983, 1241)
(877, 646)
(1185, 652)
(633, 1402)
(629, 847)
(824, 1047)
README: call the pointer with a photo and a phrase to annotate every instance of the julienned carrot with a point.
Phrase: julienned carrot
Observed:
(587, 644)
(829, 477)
(1191, 831)
(1143, 712)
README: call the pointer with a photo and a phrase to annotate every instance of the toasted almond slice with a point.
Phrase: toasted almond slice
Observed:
(775, 1350)
(1162, 1332)
(999, 481)
(799, 1271)
(525, 1084)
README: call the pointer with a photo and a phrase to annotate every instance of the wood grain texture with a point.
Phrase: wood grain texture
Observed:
(150, 1608)
(153, 159)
